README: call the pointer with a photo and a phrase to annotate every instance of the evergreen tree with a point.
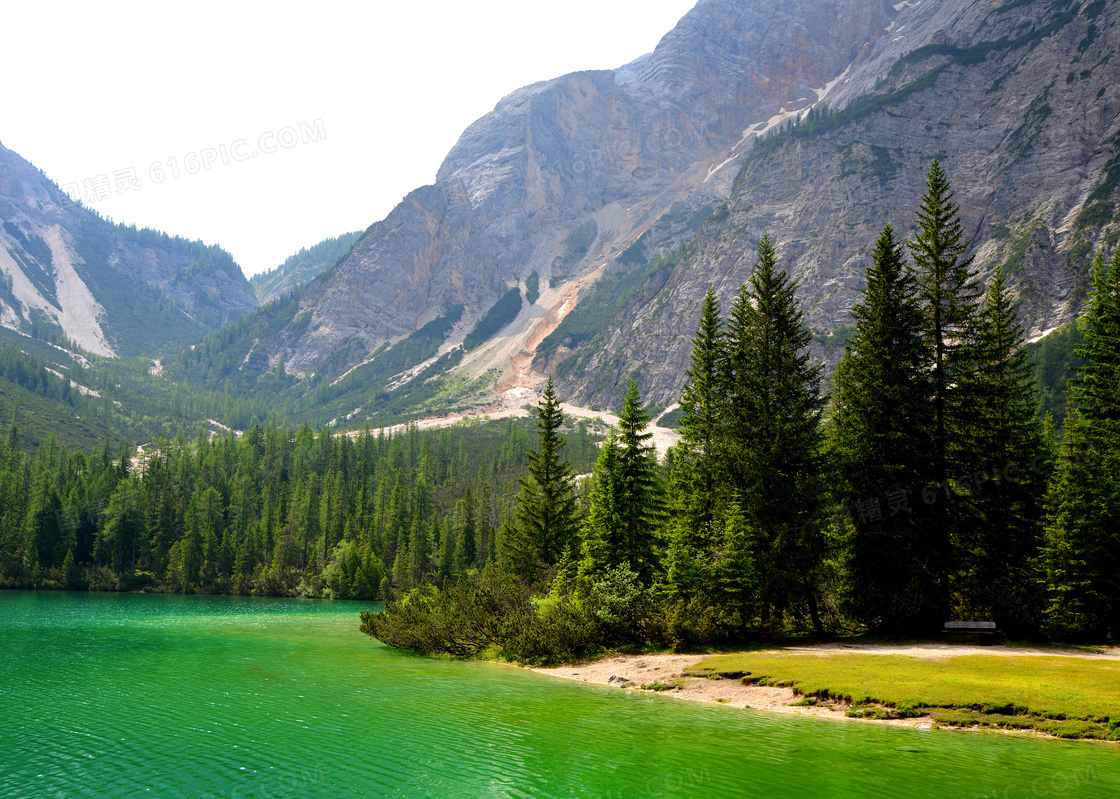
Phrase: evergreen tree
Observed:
(602, 534)
(638, 492)
(41, 528)
(447, 550)
(950, 294)
(737, 582)
(484, 520)
(687, 553)
(1082, 555)
(1000, 532)
(701, 419)
(70, 576)
(774, 437)
(547, 519)
(466, 545)
(123, 527)
(419, 551)
(881, 447)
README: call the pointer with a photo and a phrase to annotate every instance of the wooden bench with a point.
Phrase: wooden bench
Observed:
(985, 631)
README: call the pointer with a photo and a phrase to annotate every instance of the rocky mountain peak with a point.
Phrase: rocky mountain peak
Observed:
(815, 121)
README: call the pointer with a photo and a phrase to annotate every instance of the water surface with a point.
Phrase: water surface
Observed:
(141, 695)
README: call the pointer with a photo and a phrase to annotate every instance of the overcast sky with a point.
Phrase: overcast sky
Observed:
(266, 129)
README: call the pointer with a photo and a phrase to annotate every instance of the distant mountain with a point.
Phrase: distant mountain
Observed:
(566, 174)
(110, 289)
(301, 268)
(557, 223)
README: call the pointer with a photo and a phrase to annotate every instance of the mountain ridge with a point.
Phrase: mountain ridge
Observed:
(813, 121)
(110, 289)
(302, 267)
(522, 179)
(1027, 139)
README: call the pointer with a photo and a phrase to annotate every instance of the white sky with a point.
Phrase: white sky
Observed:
(384, 89)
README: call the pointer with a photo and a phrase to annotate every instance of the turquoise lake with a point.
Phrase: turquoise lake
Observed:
(107, 695)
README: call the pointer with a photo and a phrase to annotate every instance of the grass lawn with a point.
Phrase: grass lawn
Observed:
(1069, 697)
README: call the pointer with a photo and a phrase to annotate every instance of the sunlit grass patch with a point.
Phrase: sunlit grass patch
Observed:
(1068, 697)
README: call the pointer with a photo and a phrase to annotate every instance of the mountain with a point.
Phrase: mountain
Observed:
(554, 237)
(564, 174)
(1020, 101)
(308, 263)
(110, 289)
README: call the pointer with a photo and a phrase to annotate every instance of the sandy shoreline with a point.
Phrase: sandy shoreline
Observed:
(630, 672)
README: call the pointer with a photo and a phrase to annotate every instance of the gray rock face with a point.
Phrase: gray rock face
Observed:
(1020, 100)
(1021, 105)
(613, 148)
(110, 289)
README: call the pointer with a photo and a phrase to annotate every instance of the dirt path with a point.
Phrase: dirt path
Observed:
(631, 672)
(936, 651)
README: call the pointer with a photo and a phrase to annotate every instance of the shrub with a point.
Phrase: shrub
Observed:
(691, 624)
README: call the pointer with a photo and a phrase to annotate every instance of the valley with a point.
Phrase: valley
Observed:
(736, 373)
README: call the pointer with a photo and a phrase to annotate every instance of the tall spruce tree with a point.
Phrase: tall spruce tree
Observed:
(547, 521)
(1082, 556)
(639, 494)
(950, 298)
(626, 506)
(701, 420)
(1000, 532)
(881, 444)
(466, 543)
(775, 403)
(602, 535)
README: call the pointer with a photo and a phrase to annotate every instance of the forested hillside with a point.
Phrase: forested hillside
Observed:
(305, 265)
(922, 488)
(111, 289)
(270, 512)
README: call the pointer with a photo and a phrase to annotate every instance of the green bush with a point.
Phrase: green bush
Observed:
(624, 609)
(496, 612)
(691, 624)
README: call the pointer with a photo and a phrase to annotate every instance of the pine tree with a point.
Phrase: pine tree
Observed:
(737, 581)
(419, 548)
(41, 527)
(70, 575)
(466, 545)
(774, 436)
(687, 553)
(950, 294)
(701, 419)
(1082, 557)
(446, 550)
(602, 535)
(1000, 532)
(547, 521)
(638, 489)
(881, 444)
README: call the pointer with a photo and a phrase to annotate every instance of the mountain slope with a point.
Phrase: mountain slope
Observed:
(1020, 101)
(304, 266)
(558, 222)
(566, 173)
(110, 289)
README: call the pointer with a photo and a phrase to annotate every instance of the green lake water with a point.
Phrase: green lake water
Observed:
(165, 696)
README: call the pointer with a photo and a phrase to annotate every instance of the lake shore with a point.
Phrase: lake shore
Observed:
(681, 677)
